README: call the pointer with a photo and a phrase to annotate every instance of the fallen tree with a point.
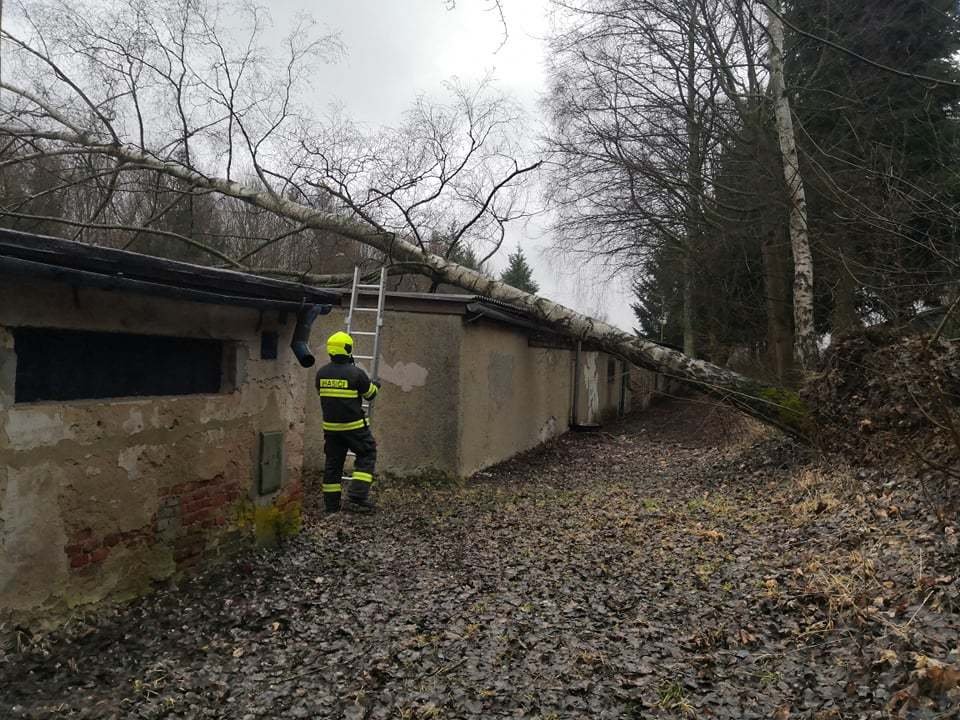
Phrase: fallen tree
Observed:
(774, 405)
(100, 117)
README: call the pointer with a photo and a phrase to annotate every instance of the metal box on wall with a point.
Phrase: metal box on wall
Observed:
(271, 462)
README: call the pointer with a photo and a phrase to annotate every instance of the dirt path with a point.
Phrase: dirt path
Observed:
(677, 565)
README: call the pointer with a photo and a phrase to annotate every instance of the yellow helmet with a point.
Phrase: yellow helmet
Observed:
(340, 344)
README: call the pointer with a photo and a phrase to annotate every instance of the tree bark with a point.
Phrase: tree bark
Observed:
(805, 339)
(694, 188)
(689, 331)
(844, 316)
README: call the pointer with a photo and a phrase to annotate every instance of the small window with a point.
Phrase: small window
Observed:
(55, 364)
(611, 370)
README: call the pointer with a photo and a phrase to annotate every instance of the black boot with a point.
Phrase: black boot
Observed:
(331, 499)
(359, 505)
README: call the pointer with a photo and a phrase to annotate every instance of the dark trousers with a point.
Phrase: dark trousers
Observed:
(335, 447)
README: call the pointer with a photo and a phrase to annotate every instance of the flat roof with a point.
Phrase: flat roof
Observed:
(80, 264)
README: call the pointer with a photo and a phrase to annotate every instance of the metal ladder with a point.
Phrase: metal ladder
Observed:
(352, 318)
(374, 358)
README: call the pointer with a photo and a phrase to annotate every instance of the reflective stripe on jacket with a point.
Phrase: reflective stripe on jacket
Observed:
(341, 385)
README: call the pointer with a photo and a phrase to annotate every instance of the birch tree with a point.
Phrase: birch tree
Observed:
(130, 85)
(805, 336)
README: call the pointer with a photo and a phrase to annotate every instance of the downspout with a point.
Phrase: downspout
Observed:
(624, 379)
(301, 333)
(576, 386)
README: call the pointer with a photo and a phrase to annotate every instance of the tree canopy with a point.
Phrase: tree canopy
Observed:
(666, 163)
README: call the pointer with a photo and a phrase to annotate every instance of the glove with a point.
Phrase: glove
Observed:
(375, 382)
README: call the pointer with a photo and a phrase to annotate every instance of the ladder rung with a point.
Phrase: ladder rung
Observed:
(369, 287)
(364, 309)
(363, 357)
(364, 332)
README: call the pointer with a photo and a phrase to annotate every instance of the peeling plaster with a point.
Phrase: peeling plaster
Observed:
(129, 460)
(32, 563)
(549, 429)
(29, 428)
(592, 383)
(134, 422)
(407, 375)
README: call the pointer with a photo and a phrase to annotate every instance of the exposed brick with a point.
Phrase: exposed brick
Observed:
(99, 555)
(79, 560)
(195, 517)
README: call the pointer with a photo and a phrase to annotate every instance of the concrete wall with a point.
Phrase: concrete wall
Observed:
(101, 498)
(416, 415)
(458, 397)
(513, 396)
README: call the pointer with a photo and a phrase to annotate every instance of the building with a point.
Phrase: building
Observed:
(469, 382)
(151, 417)
(154, 416)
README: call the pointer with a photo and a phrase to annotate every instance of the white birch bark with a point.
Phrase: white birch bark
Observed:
(804, 333)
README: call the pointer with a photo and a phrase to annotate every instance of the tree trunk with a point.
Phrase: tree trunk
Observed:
(776, 262)
(771, 404)
(694, 189)
(845, 316)
(805, 339)
(689, 334)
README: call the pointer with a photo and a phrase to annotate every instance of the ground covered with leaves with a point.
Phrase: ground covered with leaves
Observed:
(884, 399)
(681, 564)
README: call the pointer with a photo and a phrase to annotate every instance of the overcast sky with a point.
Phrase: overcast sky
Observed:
(399, 49)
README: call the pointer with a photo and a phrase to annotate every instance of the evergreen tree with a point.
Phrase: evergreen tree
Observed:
(466, 256)
(883, 149)
(519, 274)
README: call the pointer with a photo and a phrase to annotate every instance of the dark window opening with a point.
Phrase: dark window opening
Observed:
(611, 370)
(55, 364)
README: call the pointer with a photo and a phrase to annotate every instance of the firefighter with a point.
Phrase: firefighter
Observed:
(341, 386)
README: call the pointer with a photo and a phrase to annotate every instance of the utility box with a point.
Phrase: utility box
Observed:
(271, 462)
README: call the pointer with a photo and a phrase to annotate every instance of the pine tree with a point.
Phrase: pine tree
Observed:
(519, 274)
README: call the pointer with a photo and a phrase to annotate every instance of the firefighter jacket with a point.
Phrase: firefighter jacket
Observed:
(341, 386)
